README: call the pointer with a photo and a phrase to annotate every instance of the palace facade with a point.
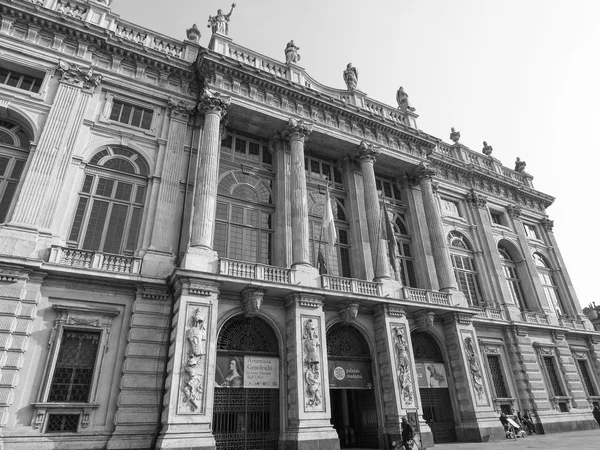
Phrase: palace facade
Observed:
(203, 247)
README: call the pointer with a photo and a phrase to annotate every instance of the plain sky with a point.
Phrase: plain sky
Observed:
(523, 75)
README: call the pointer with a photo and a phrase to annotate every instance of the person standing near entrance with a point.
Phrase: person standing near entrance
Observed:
(407, 433)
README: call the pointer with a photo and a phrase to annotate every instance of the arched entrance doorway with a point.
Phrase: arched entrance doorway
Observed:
(353, 409)
(433, 387)
(246, 407)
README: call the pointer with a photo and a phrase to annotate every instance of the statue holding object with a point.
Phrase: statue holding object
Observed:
(220, 22)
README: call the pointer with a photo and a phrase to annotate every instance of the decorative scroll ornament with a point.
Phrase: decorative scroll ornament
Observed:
(366, 152)
(475, 369)
(403, 371)
(476, 200)
(252, 301)
(514, 211)
(312, 361)
(213, 102)
(425, 320)
(179, 108)
(349, 313)
(80, 76)
(298, 130)
(547, 224)
(195, 364)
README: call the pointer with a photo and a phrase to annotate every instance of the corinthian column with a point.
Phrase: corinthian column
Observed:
(214, 108)
(422, 175)
(366, 155)
(297, 133)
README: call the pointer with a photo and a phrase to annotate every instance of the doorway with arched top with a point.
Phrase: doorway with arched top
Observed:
(353, 403)
(433, 387)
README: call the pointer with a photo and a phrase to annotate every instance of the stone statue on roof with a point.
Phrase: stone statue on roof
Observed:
(487, 149)
(220, 22)
(454, 135)
(291, 53)
(402, 99)
(520, 165)
(351, 77)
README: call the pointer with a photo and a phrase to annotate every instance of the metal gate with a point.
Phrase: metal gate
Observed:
(246, 419)
(437, 412)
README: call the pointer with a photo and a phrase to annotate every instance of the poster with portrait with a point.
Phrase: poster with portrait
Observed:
(251, 372)
(431, 375)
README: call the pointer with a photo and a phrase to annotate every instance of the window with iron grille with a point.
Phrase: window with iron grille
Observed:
(590, 389)
(407, 260)
(111, 202)
(130, 114)
(73, 373)
(464, 268)
(14, 144)
(495, 366)
(15, 77)
(62, 423)
(555, 384)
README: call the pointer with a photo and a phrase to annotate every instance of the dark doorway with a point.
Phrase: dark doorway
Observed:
(354, 417)
(437, 412)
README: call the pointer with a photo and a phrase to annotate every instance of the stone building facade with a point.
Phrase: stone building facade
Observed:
(167, 278)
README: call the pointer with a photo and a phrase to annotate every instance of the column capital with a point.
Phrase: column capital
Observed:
(366, 152)
(475, 200)
(179, 109)
(298, 130)
(421, 173)
(514, 211)
(348, 163)
(213, 102)
(547, 224)
(79, 76)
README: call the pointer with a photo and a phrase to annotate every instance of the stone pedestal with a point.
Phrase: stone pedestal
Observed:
(188, 402)
(308, 404)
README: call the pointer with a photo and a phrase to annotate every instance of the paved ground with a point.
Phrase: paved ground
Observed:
(575, 440)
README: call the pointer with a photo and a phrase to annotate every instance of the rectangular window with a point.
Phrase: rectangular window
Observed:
(15, 77)
(495, 366)
(72, 379)
(133, 115)
(588, 384)
(11, 169)
(450, 208)
(496, 218)
(62, 423)
(555, 384)
(531, 231)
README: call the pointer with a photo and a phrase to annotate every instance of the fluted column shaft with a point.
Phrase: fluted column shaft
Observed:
(439, 246)
(366, 156)
(205, 189)
(297, 132)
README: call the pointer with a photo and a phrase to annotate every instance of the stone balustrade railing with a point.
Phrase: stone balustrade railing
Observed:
(535, 317)
(468, 156)
(86, 259)
(351, 285)
(425, 296)
(255, 271)
(489, 313)
(574, 324)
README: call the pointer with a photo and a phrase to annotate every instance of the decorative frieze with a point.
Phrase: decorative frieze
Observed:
(558, 335)
(395, 311)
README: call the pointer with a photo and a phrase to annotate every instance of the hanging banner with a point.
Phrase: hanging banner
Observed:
(350, 374)
(253, 372)
(431, 375)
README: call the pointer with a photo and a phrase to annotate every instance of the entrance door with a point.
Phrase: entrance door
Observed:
(437, 412)
(354, 417)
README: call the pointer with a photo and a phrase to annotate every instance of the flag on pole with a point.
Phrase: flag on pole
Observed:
(327, 229)
(387, 233)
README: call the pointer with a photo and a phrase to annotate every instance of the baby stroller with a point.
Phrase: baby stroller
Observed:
(514, 429)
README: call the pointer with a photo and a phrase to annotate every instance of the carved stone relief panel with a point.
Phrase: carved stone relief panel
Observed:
(403, 366)
(192, 399)
(474, 369)
(312, 358)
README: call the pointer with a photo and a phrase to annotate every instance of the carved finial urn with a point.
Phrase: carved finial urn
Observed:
(193, 34)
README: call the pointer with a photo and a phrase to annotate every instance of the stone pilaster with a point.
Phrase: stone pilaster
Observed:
(360, 247)
(282, 240)
(19, 299)
(188, 403)
(422, 175)
(479, 422)
(159, 259)
(366, 155)
(309, 410)
(297, 133)
(43, 181)
(140, 400)
(397, 371)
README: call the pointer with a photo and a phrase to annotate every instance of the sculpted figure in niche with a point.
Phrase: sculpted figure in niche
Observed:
(402, 99)
(351, 77)
(311, 342)
(291, 53)
(520, 165)
(474, 367)
(220, 22)
(312, 376)
(313, 384)
(194, 367)
(403, 366)
(487, 149)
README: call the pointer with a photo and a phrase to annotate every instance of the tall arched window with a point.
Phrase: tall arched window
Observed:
(510, 273)
(111, 202)
(548, 284)
(407, 264)
(14, 150)
(244, 228)
(461, 254)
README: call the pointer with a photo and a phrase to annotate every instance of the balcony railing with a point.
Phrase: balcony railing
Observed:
(569, 322)
(255, 271)
(351, 285)
(86, 259)
(425, 296)
(489, 313)
(536, 317)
